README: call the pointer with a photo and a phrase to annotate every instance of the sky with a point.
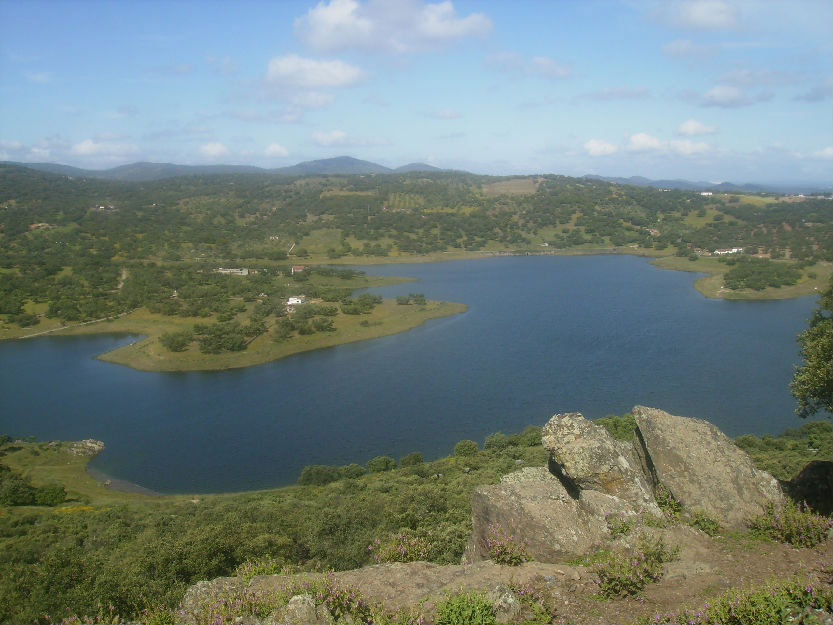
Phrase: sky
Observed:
(713, 90)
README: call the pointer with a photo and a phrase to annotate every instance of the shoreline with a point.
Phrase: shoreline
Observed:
(122, 486)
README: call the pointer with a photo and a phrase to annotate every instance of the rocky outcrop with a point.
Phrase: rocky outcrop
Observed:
(592, 460)
(561, 512)
(701, 466)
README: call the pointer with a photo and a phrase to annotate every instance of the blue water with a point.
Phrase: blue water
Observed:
(542, 335)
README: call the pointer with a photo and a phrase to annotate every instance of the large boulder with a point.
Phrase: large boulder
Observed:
(535, 507)
(591, 459)
(701, 466)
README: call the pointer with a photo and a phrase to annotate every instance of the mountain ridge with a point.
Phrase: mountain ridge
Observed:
(347, 165)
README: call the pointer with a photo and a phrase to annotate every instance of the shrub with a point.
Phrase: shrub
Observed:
(465, 448)
(531, 436)
(793, 524)
(352, 471)
(406, 546)
(50, 495)
(619, 524)
(538, 598)
(620, 428)
(628, 572)
(261, 566)
(504, 548)
(670, 505)
(318, 475)
(411, 459)
(771, 604)
(380, 464)
(497, 441)
(465, 608)
(705, 522)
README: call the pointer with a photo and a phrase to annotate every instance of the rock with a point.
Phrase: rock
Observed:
(87, 447)
(505, 604)
(814, 486)
(535, 506)
(701, 466)
(589, 458)
(203, 593)
(299, 611)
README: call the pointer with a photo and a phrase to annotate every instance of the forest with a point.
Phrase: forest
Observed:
(78, 249)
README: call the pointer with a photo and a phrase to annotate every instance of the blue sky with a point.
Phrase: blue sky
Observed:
(698, 89)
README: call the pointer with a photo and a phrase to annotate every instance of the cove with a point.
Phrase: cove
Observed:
(542, 335)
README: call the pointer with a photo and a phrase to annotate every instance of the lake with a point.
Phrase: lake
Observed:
(542, 335)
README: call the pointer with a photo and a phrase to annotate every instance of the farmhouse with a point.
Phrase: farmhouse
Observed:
(733, 250)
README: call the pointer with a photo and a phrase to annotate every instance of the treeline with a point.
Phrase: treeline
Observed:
(68, 243)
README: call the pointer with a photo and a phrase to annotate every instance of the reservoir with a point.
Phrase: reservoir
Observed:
(542, 335)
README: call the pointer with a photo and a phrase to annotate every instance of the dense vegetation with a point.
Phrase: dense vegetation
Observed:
(141, 554)
(82, 249)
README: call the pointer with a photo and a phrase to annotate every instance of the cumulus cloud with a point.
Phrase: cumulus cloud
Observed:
(296, 71)
(214, 149)
(331, 139)
(543, 66)
(643, 142)
(728, 96)
(701, 14)
(598, 147)
(275, 149)
(694, 128)
(682, 48)
(825, 153)
(686, 147)
(391, 25)
(92, 147)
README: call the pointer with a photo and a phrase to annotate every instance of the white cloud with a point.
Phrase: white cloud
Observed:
(702, 14)
(694, 128)
(10, 145)
(214, 149)
(815, 94)
(446, 114)
(729, 96)
(680, 48)
(331, 139)
(643, 142)
(392, 25)
(597, 147)
(686, 147)
(91, 147)
(275, 149)
(295, 71)
(513, 63)
(825, 153)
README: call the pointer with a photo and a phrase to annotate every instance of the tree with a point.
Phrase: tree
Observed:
(465, 448)
(380, 464)
(812, 384)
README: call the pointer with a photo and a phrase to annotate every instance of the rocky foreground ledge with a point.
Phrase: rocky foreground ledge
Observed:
(561, 513)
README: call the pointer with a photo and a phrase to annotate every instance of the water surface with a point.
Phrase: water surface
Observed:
(542, 335)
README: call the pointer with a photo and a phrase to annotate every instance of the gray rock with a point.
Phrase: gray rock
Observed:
(701, 466)
(591, 459)
(535, 506)
(203, 593)
(505, 604)
(299, 611)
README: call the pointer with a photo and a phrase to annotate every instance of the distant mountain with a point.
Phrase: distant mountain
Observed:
(346, 165)
(139, 172)
(724, 187)
(410, 167)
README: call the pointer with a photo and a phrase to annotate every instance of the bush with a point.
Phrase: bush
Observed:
(262, 566)
(628, 572)
(705, 522)
(465, 448)
(406, 546)
(772, 604)
(465, 608)
(790, 523)
(670, 505)
(620, 428)
(411, 459)
(318, 475)
(380, 464)
(619, 524)
(496, 441)
(505, 548)
(50, 495)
